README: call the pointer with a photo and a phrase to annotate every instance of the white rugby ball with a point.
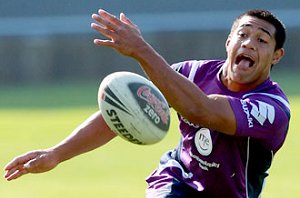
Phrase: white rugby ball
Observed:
(134, 108)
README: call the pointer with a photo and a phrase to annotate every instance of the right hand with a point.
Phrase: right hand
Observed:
(123, 35)
(32, 162)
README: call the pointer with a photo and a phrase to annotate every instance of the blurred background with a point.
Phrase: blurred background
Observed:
(51, 41)
(50, 71)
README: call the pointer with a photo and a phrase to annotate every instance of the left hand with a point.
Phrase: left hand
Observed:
(37, 161)
(123, 35)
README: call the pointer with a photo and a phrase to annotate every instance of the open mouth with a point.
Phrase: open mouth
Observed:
(245, 60)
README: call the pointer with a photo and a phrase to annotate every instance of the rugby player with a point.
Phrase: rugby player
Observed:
(233, 117)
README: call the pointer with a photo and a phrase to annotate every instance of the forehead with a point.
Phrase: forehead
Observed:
(257, 24)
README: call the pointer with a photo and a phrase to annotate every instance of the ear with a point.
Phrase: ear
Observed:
(227, 42)
(278, 54)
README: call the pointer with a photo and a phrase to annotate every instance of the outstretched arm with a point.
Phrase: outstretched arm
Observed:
(90, 135)
(212, 111)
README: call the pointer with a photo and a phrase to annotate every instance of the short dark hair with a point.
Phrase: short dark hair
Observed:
(280, 34)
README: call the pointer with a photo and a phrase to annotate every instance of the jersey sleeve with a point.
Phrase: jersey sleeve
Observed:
(183, 68)
(189, 68)
(177, 66)
(262, 116)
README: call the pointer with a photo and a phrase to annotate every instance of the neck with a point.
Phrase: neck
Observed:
(233, 86)
(237, 85)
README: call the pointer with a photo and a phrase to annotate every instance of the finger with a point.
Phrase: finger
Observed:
(125, 19)
(16, 174)
(104, 22)
(20, 160)
(105, 43)
(102, 30)
(112, 18)
(12, 170)
(31, 166)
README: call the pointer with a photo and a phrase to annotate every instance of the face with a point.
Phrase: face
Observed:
(250, 54)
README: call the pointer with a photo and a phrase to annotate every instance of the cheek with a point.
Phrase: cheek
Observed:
(232, 46)
(266, 58)
(231, 53)
(229, 49)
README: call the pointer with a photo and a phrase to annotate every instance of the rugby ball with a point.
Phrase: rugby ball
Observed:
(134, 108)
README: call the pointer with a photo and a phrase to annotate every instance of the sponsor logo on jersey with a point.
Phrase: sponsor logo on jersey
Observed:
(203, 141)
(246, 111)
(204, 145)
(203, 164)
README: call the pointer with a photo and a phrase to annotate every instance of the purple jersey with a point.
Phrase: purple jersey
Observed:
(217, 164)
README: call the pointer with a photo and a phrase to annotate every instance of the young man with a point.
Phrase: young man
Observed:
(233, 118)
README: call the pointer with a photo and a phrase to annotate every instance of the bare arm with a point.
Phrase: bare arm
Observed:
(213, 111)
(90, 135)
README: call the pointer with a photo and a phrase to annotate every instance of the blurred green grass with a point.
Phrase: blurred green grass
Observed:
(39, 116)
(116, 170)
(55, 95)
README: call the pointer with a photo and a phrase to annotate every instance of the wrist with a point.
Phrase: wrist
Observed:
(56, 155)
(146, 55)
(142, 50)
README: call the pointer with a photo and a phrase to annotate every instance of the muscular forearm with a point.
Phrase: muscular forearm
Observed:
(90, 135)
(178, 90)
(211, 111)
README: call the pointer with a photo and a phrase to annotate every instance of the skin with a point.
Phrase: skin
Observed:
(90, 135)
(253, 38)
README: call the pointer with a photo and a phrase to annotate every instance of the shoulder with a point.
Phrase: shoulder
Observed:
(190, 66)
(270, 92)
(263, 113)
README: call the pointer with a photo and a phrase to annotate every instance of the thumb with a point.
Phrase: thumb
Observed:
(36, 165)
(27, 165)
(40, 164)
(31, 165)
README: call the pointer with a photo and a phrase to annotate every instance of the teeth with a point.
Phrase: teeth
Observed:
(242, 57)
(247, 56)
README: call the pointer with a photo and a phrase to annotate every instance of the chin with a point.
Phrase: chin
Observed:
(241, 79)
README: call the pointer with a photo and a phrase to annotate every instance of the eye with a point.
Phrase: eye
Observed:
(261, 40)
(242, 34)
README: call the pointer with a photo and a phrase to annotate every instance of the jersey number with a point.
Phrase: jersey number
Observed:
(262, 112)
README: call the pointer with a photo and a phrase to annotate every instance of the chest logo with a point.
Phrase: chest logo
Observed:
(203, 141)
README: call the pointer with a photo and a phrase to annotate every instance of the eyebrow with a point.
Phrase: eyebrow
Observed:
(262, 29)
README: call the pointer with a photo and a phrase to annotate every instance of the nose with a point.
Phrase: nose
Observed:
(248, 43)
